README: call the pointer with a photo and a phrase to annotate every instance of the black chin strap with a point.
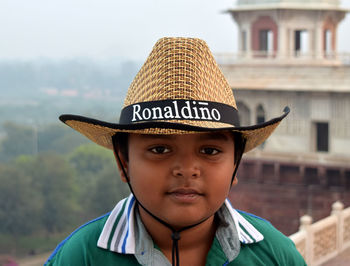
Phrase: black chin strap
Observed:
(175, 236)
(244, 141)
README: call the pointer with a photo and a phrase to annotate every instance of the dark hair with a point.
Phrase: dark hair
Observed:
(120, 142)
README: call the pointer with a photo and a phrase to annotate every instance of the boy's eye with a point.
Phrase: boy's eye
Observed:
(209, 151)
(160, 149)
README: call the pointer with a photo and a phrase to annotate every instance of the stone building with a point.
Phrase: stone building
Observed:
(288, 57)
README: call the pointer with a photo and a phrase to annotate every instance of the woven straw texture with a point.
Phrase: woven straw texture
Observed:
(180, 68)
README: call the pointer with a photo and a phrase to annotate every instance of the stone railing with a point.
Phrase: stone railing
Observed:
(271, 57)
(325, 239)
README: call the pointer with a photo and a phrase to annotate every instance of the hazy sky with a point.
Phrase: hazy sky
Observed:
(103, 29)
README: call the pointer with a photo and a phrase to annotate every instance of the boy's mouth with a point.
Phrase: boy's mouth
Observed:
(186, 195)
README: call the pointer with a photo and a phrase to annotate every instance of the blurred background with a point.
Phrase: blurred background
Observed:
(80, 57)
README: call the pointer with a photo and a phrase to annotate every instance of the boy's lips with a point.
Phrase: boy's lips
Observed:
(184, 191)
(184, 195)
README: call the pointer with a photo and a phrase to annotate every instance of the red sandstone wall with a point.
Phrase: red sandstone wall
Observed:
(278, 197)
(264, 23)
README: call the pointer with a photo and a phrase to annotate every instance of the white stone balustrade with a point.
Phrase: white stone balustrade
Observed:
(271, 57)
(325, 239)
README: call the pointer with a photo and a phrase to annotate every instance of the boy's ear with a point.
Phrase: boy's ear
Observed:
(124, 164)
(234, 181)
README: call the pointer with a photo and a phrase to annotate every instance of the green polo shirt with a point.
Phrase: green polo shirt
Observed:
(119, 238)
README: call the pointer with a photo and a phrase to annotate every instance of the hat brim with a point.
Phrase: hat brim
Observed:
(101, 132)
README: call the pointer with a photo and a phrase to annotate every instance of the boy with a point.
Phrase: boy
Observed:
(178, 145)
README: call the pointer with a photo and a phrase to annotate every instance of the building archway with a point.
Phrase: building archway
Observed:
(265, 37)
(244, 114)
(260, 114)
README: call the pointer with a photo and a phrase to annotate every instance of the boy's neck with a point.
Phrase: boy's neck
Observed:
(194, 244)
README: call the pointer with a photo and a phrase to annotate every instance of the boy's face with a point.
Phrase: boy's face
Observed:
(181, 179)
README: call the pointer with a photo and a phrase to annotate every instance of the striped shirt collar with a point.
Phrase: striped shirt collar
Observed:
(118, 234)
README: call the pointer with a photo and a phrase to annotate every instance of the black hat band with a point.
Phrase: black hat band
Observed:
(179, 110)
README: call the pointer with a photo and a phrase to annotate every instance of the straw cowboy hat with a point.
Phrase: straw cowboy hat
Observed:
(179, 90)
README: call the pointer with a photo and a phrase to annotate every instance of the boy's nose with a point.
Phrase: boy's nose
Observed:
(186, 166)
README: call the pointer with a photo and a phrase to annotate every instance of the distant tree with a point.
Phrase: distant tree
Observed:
(48, 135)
(106, 192)
(59, 138)
(98, 178)
(89, 161)
(90, 158)
(20, 203)
(54, 180)
(18, 140)
(37, 192)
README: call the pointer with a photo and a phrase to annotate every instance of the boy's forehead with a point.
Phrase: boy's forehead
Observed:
(219, 135)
